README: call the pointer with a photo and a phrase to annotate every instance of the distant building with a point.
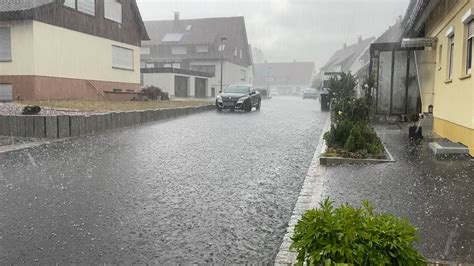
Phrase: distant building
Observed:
(288, 78)
(443, 32)
(69, 49)
(200, 45)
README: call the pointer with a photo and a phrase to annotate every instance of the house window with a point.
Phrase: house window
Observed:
(450, 57)
(440, 56)
(122, 58)
(202, 49)
(469, 46)
(85, 6)
(221, 47)
(145, 50)
(149, 65)
(178, 50)
(240, 53)
(5, 44)
(235, 51)
(243, 75)
(113, 10)
(211, 69)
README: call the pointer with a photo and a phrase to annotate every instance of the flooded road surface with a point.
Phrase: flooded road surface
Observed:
(204, 188)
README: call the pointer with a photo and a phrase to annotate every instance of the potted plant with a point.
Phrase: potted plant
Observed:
(415, 132)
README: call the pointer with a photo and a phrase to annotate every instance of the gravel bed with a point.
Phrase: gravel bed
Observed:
(16, 109)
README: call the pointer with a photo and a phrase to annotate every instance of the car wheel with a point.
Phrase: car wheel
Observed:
(259, 104)
(219, 109)
(248, 106)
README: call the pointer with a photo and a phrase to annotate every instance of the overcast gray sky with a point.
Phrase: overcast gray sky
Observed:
(305, 30)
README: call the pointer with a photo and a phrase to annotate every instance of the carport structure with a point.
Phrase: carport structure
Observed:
(179, 83)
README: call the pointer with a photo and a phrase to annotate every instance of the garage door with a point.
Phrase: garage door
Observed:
(6, 93)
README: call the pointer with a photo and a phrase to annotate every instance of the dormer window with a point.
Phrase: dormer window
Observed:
(85, 6)
(113, 10)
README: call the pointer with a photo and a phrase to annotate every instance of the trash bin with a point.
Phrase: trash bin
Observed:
(325, 101)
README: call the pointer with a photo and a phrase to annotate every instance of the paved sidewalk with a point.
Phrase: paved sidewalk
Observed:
(435, 195)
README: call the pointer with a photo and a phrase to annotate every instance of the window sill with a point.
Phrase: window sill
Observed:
(5, 60)
(465, 76)
(448, 81)
(123, 68)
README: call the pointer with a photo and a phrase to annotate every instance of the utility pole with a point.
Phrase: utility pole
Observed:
(221, 49)
(268, 81)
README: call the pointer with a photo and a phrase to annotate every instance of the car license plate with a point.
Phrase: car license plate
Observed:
(228, 103)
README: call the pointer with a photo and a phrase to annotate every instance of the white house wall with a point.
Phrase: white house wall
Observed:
(165, 81)
(232, 74)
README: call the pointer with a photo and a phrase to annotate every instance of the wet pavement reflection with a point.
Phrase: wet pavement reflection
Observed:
(204, 188)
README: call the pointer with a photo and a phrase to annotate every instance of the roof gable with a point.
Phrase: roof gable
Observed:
(203, 31)
(345, 57)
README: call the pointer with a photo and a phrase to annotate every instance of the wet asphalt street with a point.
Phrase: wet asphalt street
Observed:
(203, 188)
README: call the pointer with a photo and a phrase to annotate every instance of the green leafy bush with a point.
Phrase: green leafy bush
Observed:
(337, 136)
(342, 86)
(352, 109)
(354, 140)
(356, 236)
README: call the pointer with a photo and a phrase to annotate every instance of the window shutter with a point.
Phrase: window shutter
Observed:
(113, 10)
(5, 44)
(122, 57)
(86, 6)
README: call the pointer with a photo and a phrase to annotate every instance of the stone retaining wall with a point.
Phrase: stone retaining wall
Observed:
(63, 126)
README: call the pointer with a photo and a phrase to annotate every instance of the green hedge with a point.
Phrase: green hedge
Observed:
(354, 236)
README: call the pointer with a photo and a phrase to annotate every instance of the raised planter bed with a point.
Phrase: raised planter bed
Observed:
(64, 126)
(335, 160)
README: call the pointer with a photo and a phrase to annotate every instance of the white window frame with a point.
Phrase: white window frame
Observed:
(469, 46)
(450, 60)
(109, 16)
(6, 42)
(77, 6)
(131, 67)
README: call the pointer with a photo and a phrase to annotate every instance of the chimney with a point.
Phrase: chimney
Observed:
(344, 45)
(176, 20)
(359, 39)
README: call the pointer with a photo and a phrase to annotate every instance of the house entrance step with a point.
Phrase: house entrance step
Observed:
(446, 147)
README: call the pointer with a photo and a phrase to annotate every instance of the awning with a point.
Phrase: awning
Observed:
(418, 42)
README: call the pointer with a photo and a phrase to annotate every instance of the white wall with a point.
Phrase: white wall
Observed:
(232, 74)
(165, 81)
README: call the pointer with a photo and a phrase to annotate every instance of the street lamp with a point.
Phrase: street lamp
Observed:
(221, 49)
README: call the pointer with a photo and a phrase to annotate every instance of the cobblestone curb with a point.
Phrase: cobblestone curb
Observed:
(310, 196)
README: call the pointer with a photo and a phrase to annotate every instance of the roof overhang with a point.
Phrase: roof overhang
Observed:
(418, 42)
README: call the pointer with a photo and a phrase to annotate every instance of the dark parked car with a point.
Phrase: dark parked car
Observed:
(239, 97)
(310, 93)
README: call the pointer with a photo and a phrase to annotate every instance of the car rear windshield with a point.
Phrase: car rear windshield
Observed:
(237, 89)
